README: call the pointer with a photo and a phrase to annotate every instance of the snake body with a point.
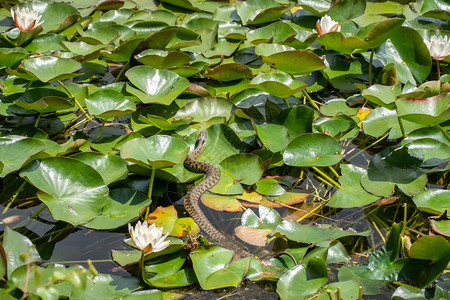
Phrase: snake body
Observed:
(191, 203)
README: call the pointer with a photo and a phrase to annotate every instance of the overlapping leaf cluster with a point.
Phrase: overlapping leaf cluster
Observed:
(105, 93)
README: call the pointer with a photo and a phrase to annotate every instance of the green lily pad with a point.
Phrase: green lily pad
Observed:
(297, 120)
(245, 168)
(10, 56)
(277, 32)
(378, 188)
(160, 59)
(165, 271)
(112, 168)
(16, 150)
(75, 193)
(312, 149)
(108, 104)
(293, 62)
(269, 186)
(48, 68)
(229, 72)
(394, 164)
(340, 127)
(337, 106)
(303, 280)
(380, 120)
(382, 95)
(204, 109)
(158, 151)
(122, 207)
(44, 100)
(213, 269)
(14, 245)
(352, 193)
(259, 11)
(364, 40)
(277, 84)
(274, 137)
(313, 234)
(155, 86)
(82, 48)
(433, 201)
(107, 287)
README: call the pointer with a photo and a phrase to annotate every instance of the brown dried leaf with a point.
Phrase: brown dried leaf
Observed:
(253, 236)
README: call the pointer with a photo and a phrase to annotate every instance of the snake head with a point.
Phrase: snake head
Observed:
(202, 137)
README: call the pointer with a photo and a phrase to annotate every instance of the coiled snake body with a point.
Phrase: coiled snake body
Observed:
(193, 196)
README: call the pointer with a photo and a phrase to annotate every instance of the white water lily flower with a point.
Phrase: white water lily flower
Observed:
(439, 47)
(26, 19)
(326, 24)
(148, 238)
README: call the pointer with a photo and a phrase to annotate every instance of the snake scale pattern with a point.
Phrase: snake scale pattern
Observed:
(191, 203)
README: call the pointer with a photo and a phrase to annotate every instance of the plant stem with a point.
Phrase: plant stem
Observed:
(444, 132)
(370, 66)
(38, 119)
(75, 100)
(150, 185)
(401, 127)
(121, 71)
(311, 101)
(101, 129)
(19, 41)
(327, 177)
(37, 212)
(373, 144)
(141, 263)
(334, 171)
(438, 69)
(11, 200)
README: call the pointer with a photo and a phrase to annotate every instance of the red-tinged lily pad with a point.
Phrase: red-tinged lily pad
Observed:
(295, 62)
(229, 72)
(364, 40)
(425, 111)
(252, 236)
(312, 149)
(167, 217)
(277, 84)
(155, 86)
(158, 151)
(440, 225)
(288, 198)
(221, 202)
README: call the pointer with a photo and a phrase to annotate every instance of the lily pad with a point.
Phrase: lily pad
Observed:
(108, 104)
(155, 86)
(48, 68)
(433, 200)
(16, 150)
(277, 84)
(160, 59)
(75, 193)
(295, 62)
(158, 151)
(312, 150)
(204, 109)
(167, 218)
(258, 12)
(352, 193)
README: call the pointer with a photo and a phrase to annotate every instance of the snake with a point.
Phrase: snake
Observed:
(191, 203)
